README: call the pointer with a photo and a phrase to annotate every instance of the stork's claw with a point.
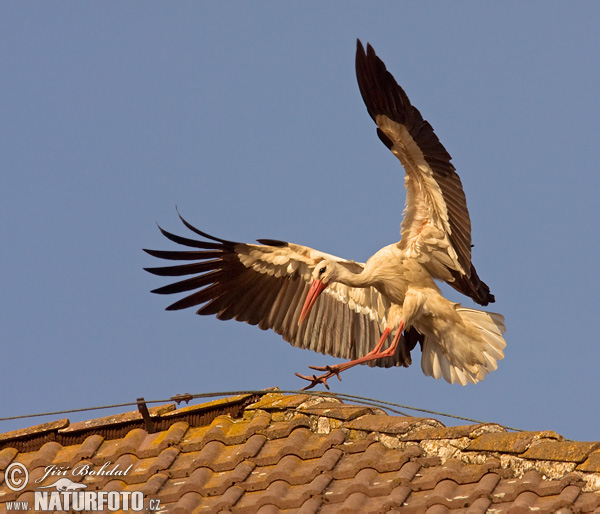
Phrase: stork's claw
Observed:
(321, 379)
(331, 371)
(314, 380)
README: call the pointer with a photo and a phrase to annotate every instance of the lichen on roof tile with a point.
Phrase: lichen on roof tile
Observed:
(153, 444)
(153, 485)
(283, 495)
(229, 431)
(194, 439)
(7, 455)
(335, 410)
(301, 442)
(592, 463)
(458, 432)
(504, 442)
(278, 429)
(376, 456)
(278, 401)
(175, 487)
(214, 404)
(42, 457)
(565, 451)
(115, 420)
(37, 429)
(111, 450)
(391, 424)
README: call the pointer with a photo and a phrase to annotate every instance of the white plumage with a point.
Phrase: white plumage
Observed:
(275, 284)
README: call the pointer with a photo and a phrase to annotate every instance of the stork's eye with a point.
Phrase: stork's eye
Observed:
(322, 270)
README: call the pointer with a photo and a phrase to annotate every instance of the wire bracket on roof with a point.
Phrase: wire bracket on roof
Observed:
(182, 398)
(143, 408)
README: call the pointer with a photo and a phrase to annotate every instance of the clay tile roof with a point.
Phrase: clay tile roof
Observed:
(274, 452)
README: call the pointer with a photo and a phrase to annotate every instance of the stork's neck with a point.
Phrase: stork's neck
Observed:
(363, 279)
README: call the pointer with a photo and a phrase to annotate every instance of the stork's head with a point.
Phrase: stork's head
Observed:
(324, 273)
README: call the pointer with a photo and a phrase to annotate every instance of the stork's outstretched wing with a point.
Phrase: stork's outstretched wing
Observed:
(436, 228)
(266, 284)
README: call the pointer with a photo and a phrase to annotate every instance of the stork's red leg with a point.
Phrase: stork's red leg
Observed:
(375, 353)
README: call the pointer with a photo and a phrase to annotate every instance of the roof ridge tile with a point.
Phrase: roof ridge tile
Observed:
(394, 425)
(210, 405)
(335, 410)
(562, 451)
(502, 442)
(35, 430)
(280, 401)
(592, 463)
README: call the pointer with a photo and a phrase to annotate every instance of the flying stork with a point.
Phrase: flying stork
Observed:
(349, 309)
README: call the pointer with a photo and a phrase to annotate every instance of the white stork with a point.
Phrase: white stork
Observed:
(275, 284)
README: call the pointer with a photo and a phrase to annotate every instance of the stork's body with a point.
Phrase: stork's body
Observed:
(460, 344)
(392, 272)
(276, 284)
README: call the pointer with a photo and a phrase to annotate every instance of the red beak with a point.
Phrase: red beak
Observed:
(316, 288)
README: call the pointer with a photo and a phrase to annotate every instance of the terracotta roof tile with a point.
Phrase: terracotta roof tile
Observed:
(587, 502)
(175, 488)
(190, 501)
(442, 432)
(145, 468)
(153, 485)
(112, 449)
(276, 401)
(194, 439)
(292, 469)
(367, 481)
(220, 404)
(301, 442)
(391, 424)
(231, 432)
(280, 429)
(305, 453)
(154, 444)
(283, 495)
(7, 455)
(428, 478)
(115, 420)
(592, 463)
(504, 442)
(220, 457)
(562, 451)
(336, 410)
(42, 457)
(258, 422)
(35, 430)
(376, 456)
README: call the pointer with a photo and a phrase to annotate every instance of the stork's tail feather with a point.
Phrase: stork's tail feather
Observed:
(468, 353)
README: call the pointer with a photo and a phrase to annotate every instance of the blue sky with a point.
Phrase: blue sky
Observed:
(248, 118)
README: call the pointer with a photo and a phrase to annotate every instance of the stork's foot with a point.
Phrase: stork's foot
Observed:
(335, 370)
(321, 379)
(314, 380)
